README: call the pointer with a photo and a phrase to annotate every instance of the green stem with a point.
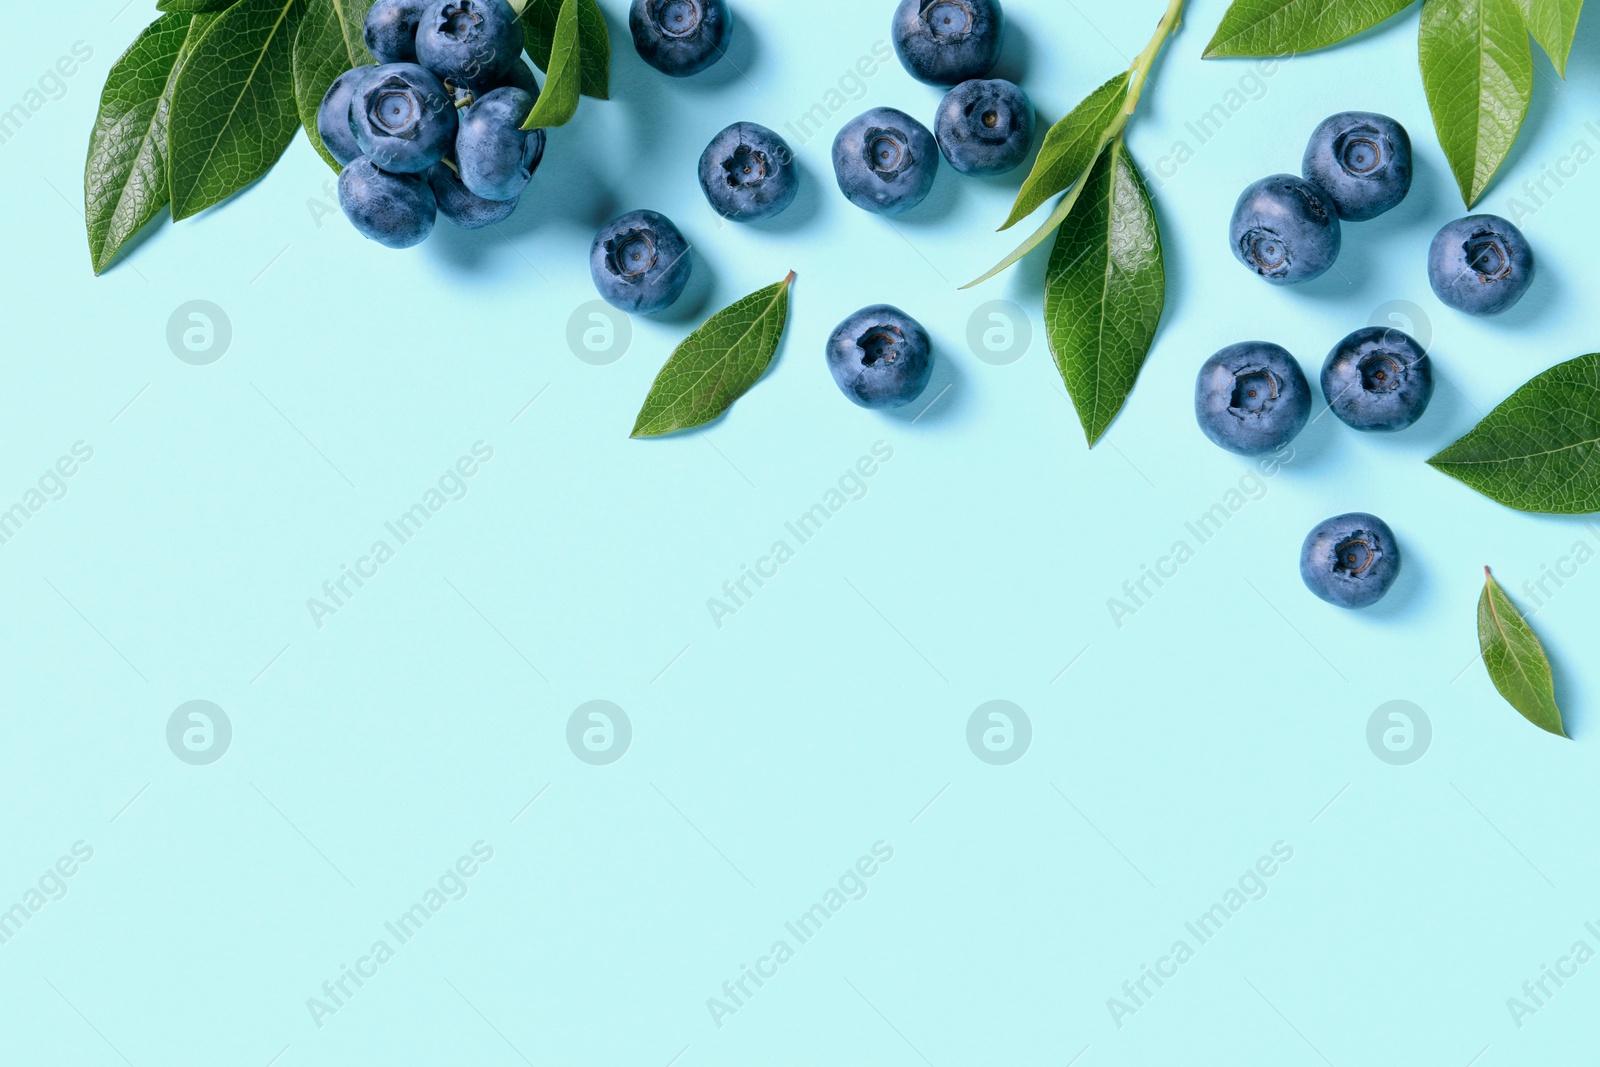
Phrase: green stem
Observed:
(1138, 74)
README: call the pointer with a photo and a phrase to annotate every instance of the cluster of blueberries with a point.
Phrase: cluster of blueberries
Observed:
(1356, 167)
(885, 162)
(434, 127)
(1253, 399)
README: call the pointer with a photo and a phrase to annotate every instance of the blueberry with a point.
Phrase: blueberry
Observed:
(391, 30)
(397, 210)
(680, 37)
(640, 262)
(946, 42)
(1285, 230)
(469, 43)
(1362, 161)
(402, 118)
(881, 357)
(463, 207)
(748, 173)
(520, 76)
(985, 127)
(1350, 560)
(1378, 379)
(1252, 398)
(1480, 264)
(333, 116)
(496, 156)
(885, 161)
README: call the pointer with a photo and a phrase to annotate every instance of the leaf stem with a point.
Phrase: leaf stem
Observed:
(1144, 61)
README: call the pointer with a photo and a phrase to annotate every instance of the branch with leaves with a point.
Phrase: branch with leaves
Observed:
(1477, 63)
(1105, 286)
(207, 99)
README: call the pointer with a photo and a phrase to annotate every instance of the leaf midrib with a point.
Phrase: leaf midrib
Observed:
(261, 55)
(727, 350)
(1521, 455)
(1505, 639)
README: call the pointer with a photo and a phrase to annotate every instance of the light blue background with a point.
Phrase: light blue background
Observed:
(830, 712)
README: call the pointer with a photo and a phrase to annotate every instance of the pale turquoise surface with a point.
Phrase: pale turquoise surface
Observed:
(830, 712)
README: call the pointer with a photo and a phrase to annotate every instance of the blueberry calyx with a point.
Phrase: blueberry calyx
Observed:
(1266, 253)
(1355, 555)
(631, 255)
(1253, 389)
(1359, 151)
(1488, 255)
(458, 20)
(881, 343)
(745, 166)
(948, 19)
(888, 153)
(676, 18)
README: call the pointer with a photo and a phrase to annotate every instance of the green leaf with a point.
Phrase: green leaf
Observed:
(328, 43)
(1554, 24)
(1477, 69)
(1284, 27)
(1105, 289)
(1072, 146)
(193, 7)
(717, 364)
(1515, 658)
(1540, 450)
(125, 176)
(233, 107)
(563, 77)
(1038, 237)
(539, 21)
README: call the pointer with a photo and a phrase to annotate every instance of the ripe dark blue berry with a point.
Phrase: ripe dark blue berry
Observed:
(680, 37)
(1480, 264)
(1362, 161)
(985, 127)
(391, 30)
(396, 210)
(1378, 379)
(1350, 560)
(496, 156)
(1252, 398)
(640, 262)
(881, 357)
(471, 44)
(885, 161)
(402, 118)
(1285, 229)
(748, 173)
(333, 116)
(946, 42)
(461, 206)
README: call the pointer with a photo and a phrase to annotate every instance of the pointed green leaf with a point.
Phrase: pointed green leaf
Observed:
(328, 43)
(1515, 658)
(1554, 24)
(1477, 69)
(1540, 450)
(717, 364)
(1284, 27)
(539, 20)
(558, 102)
(1105, 289)
(233, 107)
(1072, 146)
(125, 177)
(1038, 237)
